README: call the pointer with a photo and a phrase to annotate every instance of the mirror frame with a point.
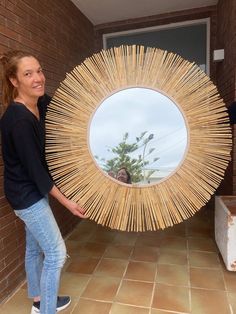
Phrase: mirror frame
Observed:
(107, 201)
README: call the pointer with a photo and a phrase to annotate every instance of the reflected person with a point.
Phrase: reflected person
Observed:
(123, 175)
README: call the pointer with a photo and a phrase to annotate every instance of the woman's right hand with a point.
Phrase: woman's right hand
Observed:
(75, 209)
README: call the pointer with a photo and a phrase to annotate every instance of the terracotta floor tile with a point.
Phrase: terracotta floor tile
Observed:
(232, 301)
(145, 254)
(141, 271)
(89, 275)
(127, 309)
(207, 278)
(82, 265)
(154, 234)
(125, 238)
(230, 280)
(200, 231)
(24, 285)
(177, 230)
(203, 218)
(101, 288)
(172, 257)
(209, 302)
(83, 231)
(91, 307)
(103, 236)
(73, 247)
(86, 226)
(172, 298)
(73, 284)
(147, 241)
(80, 236)
(19, 304)
(172, 274)
(155, 311)
(200, 244)
(111, 267)
(101, 228)
(174, 243)
(93, 249)
(118, 251)
(135, 293)
(204, 259)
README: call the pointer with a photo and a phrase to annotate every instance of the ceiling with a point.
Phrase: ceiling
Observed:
(106, 11)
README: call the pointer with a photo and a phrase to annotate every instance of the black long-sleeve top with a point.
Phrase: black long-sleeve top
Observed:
(26, 177)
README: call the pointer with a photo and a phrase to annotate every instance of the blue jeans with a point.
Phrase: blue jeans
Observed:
(45, 254)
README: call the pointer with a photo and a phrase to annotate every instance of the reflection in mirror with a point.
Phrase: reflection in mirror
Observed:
(140, 129)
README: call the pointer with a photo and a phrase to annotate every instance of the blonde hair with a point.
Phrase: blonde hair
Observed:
(9, 61)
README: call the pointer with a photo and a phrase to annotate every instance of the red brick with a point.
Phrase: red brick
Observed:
(8, 14)
(5, 210)
(8, 269)
(2, 265)
(3, 284)
(7, 230)
(9, 238)
(9, 217)
(18, 29)
(18, 272)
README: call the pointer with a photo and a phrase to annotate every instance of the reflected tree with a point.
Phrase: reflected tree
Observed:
(123, 157)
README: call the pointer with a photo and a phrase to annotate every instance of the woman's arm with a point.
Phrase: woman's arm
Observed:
(74, 208)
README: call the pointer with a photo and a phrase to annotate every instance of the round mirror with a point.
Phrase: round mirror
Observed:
(140, 129)
(146, 105)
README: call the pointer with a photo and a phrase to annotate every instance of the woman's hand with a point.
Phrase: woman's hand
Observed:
(75, 209)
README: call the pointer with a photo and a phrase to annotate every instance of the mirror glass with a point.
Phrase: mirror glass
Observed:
(140, 129)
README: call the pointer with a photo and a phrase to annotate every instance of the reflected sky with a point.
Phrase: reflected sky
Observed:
(135, 110)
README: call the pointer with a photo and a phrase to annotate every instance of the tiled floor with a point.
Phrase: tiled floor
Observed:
(177, 270)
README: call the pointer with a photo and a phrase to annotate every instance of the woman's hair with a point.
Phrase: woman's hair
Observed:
(9, 61)
(129, 181)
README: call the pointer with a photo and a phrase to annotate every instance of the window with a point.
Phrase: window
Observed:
(189, 39)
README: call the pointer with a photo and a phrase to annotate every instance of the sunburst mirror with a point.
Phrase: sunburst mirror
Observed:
(151, 111)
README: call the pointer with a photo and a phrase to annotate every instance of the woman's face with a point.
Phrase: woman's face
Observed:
(30, 80)
(122, 176)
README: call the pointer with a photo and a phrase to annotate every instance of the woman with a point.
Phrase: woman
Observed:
(123, 175)
(27, 182)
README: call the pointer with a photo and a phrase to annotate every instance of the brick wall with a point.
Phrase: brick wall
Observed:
(61, 37)
(225, 75)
